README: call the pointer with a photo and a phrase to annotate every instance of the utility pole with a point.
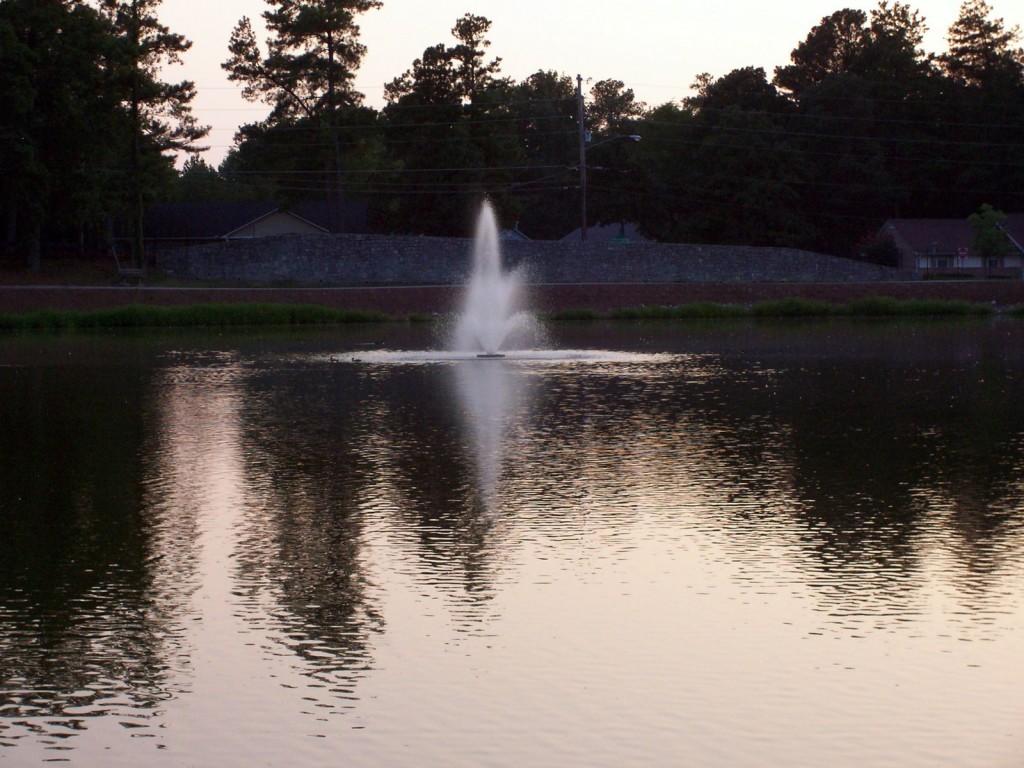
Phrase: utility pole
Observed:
(583, 158)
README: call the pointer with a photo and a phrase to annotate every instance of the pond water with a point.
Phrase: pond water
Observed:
(727, 544)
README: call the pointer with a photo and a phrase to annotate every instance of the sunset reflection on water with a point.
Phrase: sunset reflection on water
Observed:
(755, 544)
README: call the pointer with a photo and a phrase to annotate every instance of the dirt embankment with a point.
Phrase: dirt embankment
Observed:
(547, 298)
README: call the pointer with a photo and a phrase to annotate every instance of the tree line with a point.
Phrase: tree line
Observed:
(87, 127)
(861, 125)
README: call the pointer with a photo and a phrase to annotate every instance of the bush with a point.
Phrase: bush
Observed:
(193, 316)
(696, 311)
(574, 316)
(792, 308)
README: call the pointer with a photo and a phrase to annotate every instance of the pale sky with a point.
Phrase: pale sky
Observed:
(656, 47)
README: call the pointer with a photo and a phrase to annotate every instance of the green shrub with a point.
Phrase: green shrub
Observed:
(574, 316)
(191, 316)
(872, 306)
(709, 310)
(793, 307)
(878, 306)
(949, 307)
(642, 312)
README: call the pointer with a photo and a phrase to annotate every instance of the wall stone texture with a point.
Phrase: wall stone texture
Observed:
(383, 260)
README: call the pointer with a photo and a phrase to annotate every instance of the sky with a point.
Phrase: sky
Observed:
(655, 47)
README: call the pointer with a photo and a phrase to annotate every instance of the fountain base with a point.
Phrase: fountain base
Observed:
(490, 355)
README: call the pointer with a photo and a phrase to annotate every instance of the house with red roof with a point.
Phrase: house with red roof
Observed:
(945, 247)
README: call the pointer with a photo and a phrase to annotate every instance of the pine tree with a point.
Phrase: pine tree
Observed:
(307, 76)
(981, 48)
(451, 130)
(159, 113)
(312, 57)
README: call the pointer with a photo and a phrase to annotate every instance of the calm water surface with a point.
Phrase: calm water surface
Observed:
(703, 545)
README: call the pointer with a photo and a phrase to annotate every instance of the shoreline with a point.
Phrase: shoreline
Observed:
(549, 298)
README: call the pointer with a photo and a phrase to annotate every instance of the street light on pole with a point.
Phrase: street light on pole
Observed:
(584, 142)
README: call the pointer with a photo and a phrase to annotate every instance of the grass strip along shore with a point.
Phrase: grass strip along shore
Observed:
(875, 306)
(274, 314)
(191, 316)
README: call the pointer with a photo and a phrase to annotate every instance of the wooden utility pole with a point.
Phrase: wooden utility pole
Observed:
(583, 157)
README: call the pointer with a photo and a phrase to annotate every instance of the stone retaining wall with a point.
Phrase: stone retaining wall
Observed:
(363, 260)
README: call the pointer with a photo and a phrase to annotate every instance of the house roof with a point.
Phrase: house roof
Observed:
(947, 236)
(201, 220)
(606, 233)
(210, 220)
(348, 216)
(1013, 226)
(513, 234)
(290, 214)
(932, 236)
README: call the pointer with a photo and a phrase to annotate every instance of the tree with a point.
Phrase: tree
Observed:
(25, 178)
(312, 57)
(83, 109)
(880, 249)
(472, 72)
(835, 45)
(895, 35)
(449, 75)
(304, 159)
(990, 240)
(307, 76)
(983, 106)
(723, 166)
(749, 180)
(159, 114)
(849, 187)
(667, 172)
(741, 181)
(200, 181)
(866, 97)
(882, 47)
(451, 132)
(545, 200)
(611, 114)
(746, 88)
(612, 106)
(981, 49)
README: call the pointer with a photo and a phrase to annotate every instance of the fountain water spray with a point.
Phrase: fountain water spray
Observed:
(490, 321)
(490, 313)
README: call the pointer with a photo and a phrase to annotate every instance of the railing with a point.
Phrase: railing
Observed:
(126, 273)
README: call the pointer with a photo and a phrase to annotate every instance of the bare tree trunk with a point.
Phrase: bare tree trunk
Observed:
(138, 243)
(11, 227)
(33, 252)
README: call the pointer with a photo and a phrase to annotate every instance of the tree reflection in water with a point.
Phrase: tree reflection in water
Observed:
(301, 567)
(161, 510)
(82, 636)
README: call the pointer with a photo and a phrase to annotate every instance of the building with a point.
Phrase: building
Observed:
(513, 235)
(190, 223)
(623, 232)
(945, 247)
